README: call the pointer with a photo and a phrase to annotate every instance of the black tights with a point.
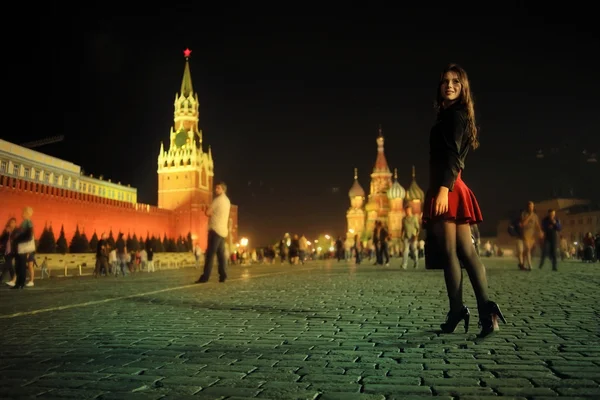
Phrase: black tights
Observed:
(457, 246)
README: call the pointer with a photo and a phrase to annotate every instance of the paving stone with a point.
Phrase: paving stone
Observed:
(350, 396)
(318, 331)
(62, 394)
(460, 391)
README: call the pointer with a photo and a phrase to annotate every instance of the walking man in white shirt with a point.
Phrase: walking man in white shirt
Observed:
(218, 214)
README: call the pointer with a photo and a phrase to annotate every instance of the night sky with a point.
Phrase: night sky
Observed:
(291, 104)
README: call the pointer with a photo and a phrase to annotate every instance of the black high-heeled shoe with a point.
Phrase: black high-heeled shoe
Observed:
(453, 319)
(488, 321)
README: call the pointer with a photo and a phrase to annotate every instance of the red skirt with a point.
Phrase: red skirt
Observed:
(462, 205)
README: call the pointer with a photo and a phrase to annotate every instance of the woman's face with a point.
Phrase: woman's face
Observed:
(11, 224)
(451, 87)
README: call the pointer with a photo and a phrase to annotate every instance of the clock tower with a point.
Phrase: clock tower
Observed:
(185, 170)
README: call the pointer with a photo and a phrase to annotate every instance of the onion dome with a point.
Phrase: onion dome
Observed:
(356, 190)
(414, 191)
(396, 191)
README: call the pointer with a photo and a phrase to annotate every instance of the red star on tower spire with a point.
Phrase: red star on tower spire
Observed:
(187, 53)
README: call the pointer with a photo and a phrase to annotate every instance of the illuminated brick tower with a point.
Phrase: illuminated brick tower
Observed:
(185, 170)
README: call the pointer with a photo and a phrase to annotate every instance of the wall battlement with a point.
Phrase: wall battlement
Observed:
(12, 184)
(58, 207)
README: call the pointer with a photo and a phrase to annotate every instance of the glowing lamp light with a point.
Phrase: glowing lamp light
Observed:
(327, 237)
(244, 241)
(331, 248)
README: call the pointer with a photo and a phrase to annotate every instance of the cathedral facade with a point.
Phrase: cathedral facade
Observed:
(386, 199)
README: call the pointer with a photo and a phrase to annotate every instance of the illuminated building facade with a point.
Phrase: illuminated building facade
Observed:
(385, 201)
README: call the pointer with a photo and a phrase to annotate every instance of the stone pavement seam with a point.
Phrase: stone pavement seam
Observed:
(96, 302)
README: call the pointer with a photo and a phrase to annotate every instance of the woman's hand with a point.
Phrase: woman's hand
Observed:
(441, 201)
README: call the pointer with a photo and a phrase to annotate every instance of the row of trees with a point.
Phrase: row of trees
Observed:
(81, 244)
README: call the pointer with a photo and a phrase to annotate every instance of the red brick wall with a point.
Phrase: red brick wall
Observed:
(56, 207)
(60, 207)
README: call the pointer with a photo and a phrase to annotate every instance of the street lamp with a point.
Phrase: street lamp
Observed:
(244, 242)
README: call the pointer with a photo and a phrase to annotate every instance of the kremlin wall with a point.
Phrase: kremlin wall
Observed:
(62, 196)
(57, 207)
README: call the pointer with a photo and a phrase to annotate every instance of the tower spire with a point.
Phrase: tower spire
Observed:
(396, 173)
(355, 173)
(186, 82)
(413, 172)
(381, 163)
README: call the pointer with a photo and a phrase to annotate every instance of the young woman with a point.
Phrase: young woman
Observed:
(25, 246)
(450, 207)
(531, 231)
(8, 251)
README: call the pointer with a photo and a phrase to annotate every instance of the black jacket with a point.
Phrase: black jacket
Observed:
(4, 238)
(448, 146)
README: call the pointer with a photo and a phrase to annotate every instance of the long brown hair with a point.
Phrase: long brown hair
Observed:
(12, 219)
(466, 99)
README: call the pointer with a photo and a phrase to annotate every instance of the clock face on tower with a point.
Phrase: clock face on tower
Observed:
(181, 138)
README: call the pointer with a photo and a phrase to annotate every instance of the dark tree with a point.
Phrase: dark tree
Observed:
(181, 244)
(135, 244)
(189, 245)
(78, 244)
(94, 242)
(85, 243)
(111, 240)
(120, 241)
(47, 242)
(171, 246)
(157, 245)
(165, 243)
(129, 243)
(62, 246)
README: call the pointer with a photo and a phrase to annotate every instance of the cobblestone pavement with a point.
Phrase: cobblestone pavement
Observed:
(320, 331)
